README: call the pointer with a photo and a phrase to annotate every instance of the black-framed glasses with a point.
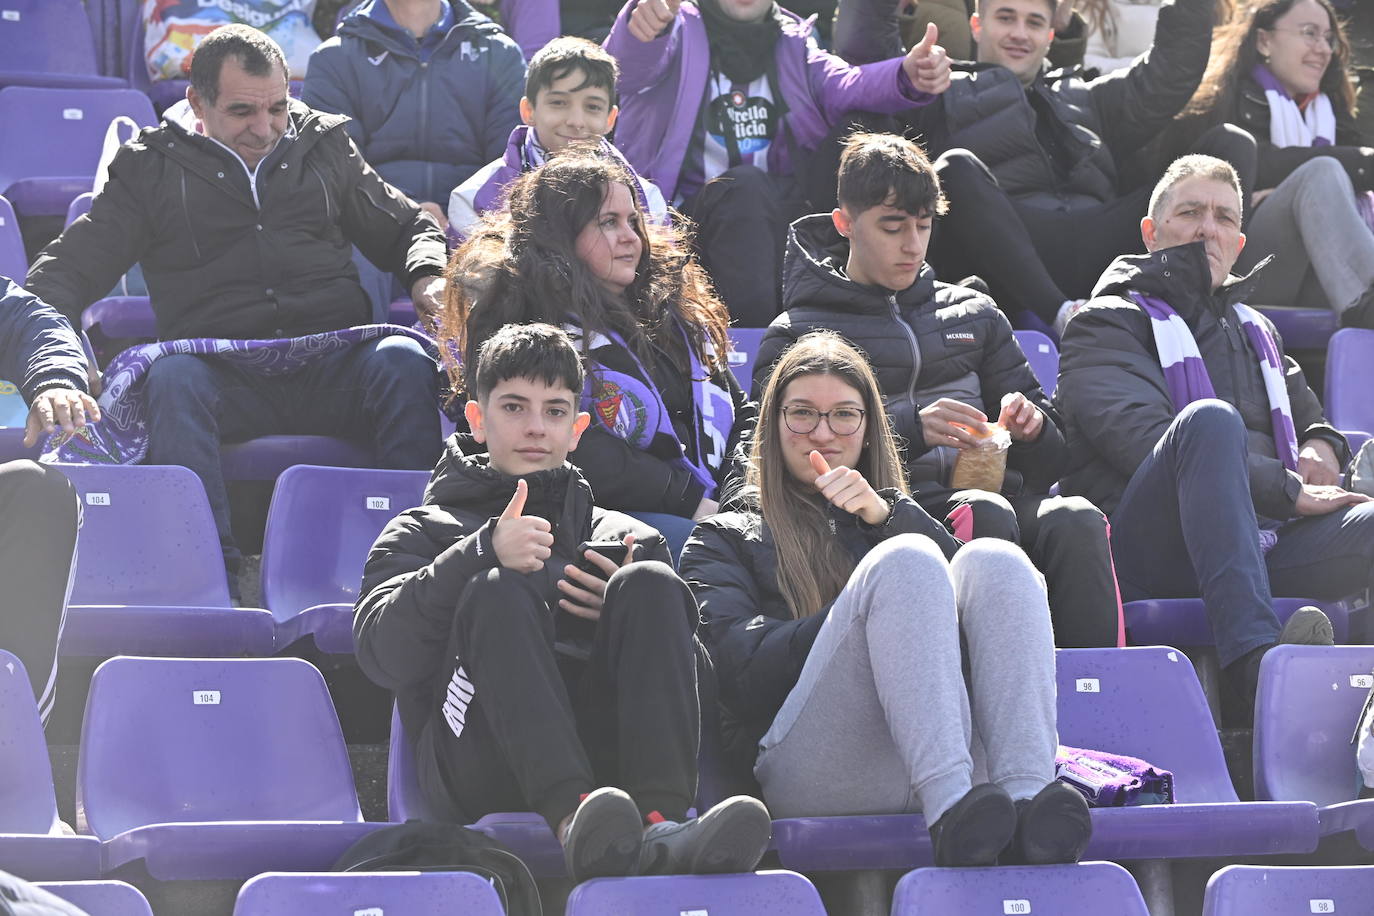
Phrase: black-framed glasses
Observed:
(1311, 34)
(843, 421)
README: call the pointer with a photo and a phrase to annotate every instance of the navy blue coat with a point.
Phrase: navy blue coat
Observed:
(38, 348)
(425, 126)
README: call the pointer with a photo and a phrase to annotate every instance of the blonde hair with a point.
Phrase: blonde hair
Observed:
(813, 566)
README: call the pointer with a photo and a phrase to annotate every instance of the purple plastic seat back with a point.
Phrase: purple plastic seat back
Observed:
(404, 800)
(1301, 328)
(147, 538)
(783, 892)
(49, 43)
(1086, 889)
(14, 262)
(1144, 702)
(28, 803)
(101, 898)
(266, 457)
(321, 524)
(1350, 379)
(746, 350)
(1255, 890)
(1183, 621)
(408, 893)
(64, 130)
(80, 206)
(1043, 357)
(1308, 702)
(120, 317)
(175, 740)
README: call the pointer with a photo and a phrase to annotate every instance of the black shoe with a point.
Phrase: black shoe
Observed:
(729, 838)
(975, 830)
(1307, 627)
(1053, 828)
(604, 837)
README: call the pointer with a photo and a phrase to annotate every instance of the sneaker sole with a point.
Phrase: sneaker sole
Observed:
(605, 837)
(732, 840)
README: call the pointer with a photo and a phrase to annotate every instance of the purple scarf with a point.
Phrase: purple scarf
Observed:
(1112, 780)
(121, 436)
(630, 407)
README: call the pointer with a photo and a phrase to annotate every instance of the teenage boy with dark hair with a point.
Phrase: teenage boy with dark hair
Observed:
(569, 98)
(947, 363)
(525, 681)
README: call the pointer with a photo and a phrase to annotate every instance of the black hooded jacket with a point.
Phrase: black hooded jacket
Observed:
(928, 341)
(1116, 402)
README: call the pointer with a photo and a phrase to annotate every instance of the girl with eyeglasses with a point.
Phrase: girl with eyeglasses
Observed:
(837, 613)
(1281, 70)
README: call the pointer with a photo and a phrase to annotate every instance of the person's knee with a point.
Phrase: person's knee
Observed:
(496, 593)
(999, 561)
(958, 167)
(646, 590)
(1209, 420)
(27, 487)
(745, 181)
(1231, 142)
(988, 515)
(400, 359)
(1323, 176)
(913, 554)
(1072, 518)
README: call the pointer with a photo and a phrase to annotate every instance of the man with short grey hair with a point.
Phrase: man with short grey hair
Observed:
(1200, 438)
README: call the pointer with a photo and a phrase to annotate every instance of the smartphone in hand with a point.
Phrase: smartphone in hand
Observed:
(612, 550)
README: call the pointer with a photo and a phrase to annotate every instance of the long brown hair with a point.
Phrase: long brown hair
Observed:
(812, 566)
(1235, 52)
(520, 265)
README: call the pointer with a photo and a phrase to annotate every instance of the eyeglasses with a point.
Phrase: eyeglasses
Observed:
(1311, 34)
(843, 421)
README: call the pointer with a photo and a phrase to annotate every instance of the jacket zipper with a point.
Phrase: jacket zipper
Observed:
(915, 348)
(186, 211)
(328, 205)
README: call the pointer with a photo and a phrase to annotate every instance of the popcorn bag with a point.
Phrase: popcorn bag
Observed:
(173, 29)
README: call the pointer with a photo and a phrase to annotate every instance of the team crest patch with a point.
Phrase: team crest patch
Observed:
(622, 411)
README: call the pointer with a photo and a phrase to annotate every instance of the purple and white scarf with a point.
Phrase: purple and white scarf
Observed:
(631, 408)
(1311, 125)
(1186, 374)
(121, 436)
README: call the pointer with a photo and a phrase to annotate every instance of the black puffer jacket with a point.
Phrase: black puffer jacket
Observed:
(757, 646)
(1092, 126)
(424, 558)
(225, 259)
(1116, 403)
(929, 341)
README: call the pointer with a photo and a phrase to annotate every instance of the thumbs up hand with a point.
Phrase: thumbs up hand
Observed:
(927, 64)
(522, 542)
(848, 490)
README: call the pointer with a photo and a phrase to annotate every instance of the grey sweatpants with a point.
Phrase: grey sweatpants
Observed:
(1317, 237)
(882, 719)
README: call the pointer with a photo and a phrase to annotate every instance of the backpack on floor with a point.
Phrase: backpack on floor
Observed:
(419, 846)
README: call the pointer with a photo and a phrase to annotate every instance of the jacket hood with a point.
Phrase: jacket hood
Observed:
(1179, 275)
(813, 273)
(361, 24)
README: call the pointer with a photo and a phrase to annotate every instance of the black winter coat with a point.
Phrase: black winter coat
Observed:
(757, 646)
(929, 341)
(1116, 403)
(225, 259)
(416, 571)
(38, 348)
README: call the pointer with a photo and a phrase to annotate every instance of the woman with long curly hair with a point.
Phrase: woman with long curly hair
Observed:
(837, 613)
(572, 249)
(1281, 70)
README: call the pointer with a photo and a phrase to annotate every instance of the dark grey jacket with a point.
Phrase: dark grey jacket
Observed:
(1095, 125)
(38, 348)
(225, 260)
(1116, 403)
(928, 341)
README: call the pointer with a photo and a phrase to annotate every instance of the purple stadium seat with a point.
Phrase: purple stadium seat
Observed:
(524, 832)
(1350, 379)
(401, 312)
(63, 133)
(320, 526)
(149, 572)
(32, 844)
(14, 263)
(1043, 357)
(1254, 890)
(1183, 621)
(101, 898)
(120, 317)
(1086, 889)
(210, 769)
(746, 349)
(12, 444)
(409, 893)
(80, 206)
(1145, 702)
(782, 892)
(1308, 702)
(1301, 328)
(49, 43)
(266, 457)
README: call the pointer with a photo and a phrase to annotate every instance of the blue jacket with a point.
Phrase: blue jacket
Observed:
(38, 348)
(424, 124)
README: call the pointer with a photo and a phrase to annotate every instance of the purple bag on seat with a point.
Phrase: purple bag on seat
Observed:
(1112, 780)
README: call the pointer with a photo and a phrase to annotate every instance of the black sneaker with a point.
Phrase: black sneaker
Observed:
(1307, 627)
(731, 837)
(1053, 828)
(976, 829)
(604, 837)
